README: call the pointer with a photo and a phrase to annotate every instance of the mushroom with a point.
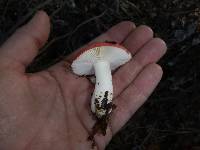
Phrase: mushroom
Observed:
(100, 59)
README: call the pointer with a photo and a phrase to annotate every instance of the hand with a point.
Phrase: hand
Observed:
(50, 109)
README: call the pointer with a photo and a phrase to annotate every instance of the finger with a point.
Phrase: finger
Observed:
(117, 33)
(23, 45)
(151, 52)
(135, 95)
(138, 38)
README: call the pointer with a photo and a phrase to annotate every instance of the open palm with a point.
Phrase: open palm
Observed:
(50, 109)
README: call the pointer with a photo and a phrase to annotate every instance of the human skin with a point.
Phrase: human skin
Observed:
(50, 110)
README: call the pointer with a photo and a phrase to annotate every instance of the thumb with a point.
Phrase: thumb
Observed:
(23, 45)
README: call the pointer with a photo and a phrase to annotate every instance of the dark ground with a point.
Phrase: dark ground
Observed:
(171, 117)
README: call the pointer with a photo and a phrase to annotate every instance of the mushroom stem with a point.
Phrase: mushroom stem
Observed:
(101, 103)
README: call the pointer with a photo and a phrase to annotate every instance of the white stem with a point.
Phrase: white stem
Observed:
(101, 103)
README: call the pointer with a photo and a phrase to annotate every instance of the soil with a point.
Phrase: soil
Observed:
(170, 118)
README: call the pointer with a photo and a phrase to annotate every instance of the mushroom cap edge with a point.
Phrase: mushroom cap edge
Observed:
(115, 54)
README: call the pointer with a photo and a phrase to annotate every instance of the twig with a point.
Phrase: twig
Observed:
(5, 9)
(70, 33)
(183, 12)
(177, 131)
(57, 10)
(134, 6)
(117, 3)
(148, 136)
(180, 131)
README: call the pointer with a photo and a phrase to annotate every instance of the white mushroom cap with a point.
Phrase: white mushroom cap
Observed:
(115, 54)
